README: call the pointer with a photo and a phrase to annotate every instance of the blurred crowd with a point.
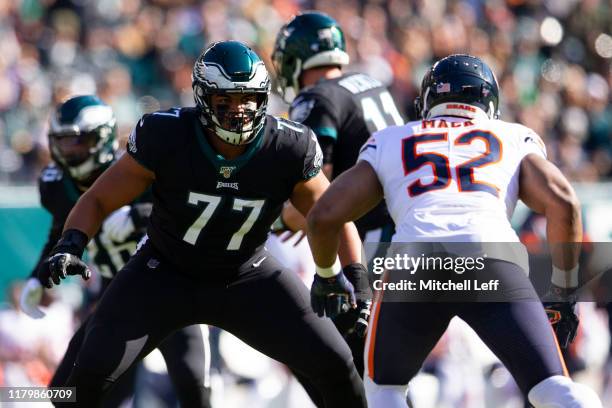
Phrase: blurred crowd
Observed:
(553, 60)
(552, 57)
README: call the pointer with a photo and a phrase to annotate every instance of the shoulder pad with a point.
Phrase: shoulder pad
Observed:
(323, 91)
(168, 113)
(285, 125)
(52, 173)
(532, 137)
(357, 83)
(328, 93)
(159, 117)
(301, 107)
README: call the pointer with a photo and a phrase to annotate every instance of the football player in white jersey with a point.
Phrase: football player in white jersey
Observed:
(455, 176)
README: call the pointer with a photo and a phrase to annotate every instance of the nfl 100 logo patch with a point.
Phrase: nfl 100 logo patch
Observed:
(226, 171)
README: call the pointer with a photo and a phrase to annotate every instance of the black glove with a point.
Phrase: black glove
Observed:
(355, 321)
(560, 306)
(332, 296)
(357, 274)
(65, 259)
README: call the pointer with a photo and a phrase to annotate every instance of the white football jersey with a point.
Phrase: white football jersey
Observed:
(451, 179)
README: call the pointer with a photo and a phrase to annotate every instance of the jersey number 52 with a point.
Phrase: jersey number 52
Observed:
(440, 165)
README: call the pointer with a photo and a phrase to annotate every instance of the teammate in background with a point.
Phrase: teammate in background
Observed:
(220, 173)
(455, 176)
(343, 110)
(82, 140)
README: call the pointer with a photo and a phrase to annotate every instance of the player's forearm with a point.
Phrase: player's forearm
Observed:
(324, 240)
(546, 191)
(564, 231)
(329, 239)
(349, 251)
(292, 218)
(118, 186)
(87, 215)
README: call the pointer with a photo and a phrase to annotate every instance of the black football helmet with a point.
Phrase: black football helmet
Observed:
(457, 84)
(82, 136)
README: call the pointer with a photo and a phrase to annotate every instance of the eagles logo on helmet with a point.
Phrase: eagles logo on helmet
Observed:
(82, 136)
(311, 39)
(231, 67)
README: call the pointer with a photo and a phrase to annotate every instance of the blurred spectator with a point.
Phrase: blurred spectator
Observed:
(552, 58)
(31, 349)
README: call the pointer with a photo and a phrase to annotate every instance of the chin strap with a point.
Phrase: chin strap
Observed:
(83, 170)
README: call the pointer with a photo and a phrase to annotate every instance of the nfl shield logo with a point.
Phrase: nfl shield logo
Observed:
(226, 171)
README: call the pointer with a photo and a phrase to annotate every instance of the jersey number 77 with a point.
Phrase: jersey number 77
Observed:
(212, 202)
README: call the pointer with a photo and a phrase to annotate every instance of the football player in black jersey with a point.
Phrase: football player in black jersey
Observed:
(82, 140)
(220, 173)
(342, 109)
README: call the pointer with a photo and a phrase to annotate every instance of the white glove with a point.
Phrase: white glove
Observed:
(118, 225)
(30, 298)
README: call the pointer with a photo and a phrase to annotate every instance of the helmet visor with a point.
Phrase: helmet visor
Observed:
(74, 148)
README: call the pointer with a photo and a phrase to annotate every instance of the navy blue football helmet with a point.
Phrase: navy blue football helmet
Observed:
(457, 84)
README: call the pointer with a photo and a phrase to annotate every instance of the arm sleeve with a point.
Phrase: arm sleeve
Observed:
(141, 144)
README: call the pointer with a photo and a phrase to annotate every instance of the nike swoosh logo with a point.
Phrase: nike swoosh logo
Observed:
(256, 264)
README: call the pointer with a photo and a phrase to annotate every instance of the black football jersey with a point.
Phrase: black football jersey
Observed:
(209, 211)
(343, 112)
(58, 194)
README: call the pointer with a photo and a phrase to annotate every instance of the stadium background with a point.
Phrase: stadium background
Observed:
(552, 58)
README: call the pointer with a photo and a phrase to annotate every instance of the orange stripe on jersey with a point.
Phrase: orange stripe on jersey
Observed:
(373, 339)
(373, 326)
